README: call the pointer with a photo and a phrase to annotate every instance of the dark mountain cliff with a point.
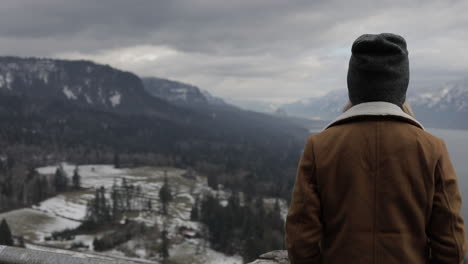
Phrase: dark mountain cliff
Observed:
(82, 83)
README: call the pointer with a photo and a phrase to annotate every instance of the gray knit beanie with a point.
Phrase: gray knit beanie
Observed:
(378, 69)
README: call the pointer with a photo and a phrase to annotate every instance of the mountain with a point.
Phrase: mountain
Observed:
(444, 108)
(257, 106)
(54, 110)
(213, 100)
(82, 83)
(326, 107)
(202, 101)
(179, 93)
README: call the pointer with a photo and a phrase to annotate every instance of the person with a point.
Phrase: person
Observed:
(374, 186)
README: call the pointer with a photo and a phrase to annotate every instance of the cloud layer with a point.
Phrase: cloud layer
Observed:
(271, 50)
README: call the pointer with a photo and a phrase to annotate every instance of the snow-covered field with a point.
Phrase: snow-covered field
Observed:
(67, 210)
(35, 225)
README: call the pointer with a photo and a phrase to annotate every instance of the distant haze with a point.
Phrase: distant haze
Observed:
(267, 50)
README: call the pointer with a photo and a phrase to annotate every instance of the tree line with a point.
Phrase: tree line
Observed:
(22, 185)
(248, 228)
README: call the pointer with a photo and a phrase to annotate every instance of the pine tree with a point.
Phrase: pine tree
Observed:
(40, 187)
(251, 249)
(150, 205)
(164, 251)
(104, 210)
(116, 161)
(60, 179)
(116, 201)
(98, 210)
(93, 210)
(6, 238)
(194, 213)
(212, 181)
(138, 203)
(249, 187)
(126, 194)
(165, 194)
(76, 179)
(10, 162)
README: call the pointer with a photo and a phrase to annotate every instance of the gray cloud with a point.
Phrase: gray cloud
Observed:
(263, 49)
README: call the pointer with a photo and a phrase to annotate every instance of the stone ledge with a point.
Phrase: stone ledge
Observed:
(273, 257)
(281, 257)
(14, 255)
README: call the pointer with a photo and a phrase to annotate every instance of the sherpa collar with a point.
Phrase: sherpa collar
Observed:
(375, 109)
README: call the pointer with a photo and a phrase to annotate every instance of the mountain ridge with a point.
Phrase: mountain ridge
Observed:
(179, 92)
(443, 108)
(80, 82)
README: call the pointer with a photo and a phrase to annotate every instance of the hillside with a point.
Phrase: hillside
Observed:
(41, 224)
(199, 100)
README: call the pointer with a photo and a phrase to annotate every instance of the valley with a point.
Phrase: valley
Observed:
(38, 223)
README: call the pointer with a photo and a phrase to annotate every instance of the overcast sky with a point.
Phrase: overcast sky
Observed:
(269, 50)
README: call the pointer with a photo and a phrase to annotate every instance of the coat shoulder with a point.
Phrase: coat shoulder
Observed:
(336, 133)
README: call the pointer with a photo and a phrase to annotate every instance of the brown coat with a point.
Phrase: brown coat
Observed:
(374, 187)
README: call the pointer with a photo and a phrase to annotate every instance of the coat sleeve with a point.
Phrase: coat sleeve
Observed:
(446, 229)
(303, 229)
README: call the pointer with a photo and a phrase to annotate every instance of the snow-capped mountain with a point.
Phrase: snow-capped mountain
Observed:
(445, 108)
(257, 106)
(82, 83)
(453, 97)
(326, 107)
(179, 93)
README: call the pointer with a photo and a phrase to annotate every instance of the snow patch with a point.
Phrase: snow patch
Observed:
(42, 225)
(115, 99)
(91, 175)
(69, 93)
(9, 80)
(44, 76)
(60, 206)
(88, 99)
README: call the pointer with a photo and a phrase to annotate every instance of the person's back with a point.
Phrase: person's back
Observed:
(374, 187)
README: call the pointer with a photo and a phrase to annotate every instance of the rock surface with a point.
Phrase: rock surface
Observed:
(14, 255)
(281, 257)
(273, 257)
